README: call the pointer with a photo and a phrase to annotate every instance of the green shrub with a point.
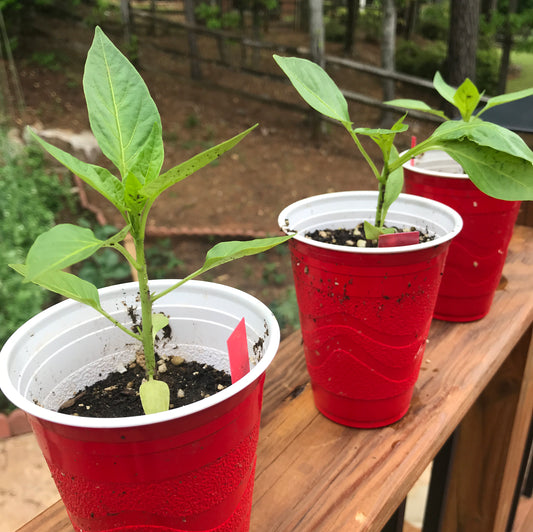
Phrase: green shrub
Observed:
(286, 311)
(29, 199)
(424, 61)
(421, 61)
(487, 69)
(434, 21)
(211, 16)
(334, 29)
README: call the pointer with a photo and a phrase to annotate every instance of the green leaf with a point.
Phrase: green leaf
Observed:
(372, 232)
(384, 138)
(185, 169)
(485, 134)
(100, 179)
(151, 157)
(466, 99)
(135, 199)
(316, 87)
(159, 321)
(65, 284)
(155, 396)
(228, 251)
(379, 133)
(506, 98)
(394, 185)
(445, 90)
(118, 237)
(60, 247)
(415, 105)
(498, 174)
(121, 111)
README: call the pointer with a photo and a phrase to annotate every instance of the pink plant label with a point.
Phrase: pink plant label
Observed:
(238, 352)
(398, 239)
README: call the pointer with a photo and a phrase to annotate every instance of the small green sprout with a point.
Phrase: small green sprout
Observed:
(126, 123)
(497, 160)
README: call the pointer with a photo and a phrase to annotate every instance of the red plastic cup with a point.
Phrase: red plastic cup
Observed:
(193, 473)
(365, 314)
(188, 469)
(477, 256)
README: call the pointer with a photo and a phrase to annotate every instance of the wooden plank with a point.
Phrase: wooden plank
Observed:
(53, 519)
(523, 354)
(524, 516)
(481, 494)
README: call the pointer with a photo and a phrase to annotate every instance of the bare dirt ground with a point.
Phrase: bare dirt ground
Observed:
(277, 164)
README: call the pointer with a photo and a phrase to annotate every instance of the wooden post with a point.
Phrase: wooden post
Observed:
(490, 446)
(196, 72)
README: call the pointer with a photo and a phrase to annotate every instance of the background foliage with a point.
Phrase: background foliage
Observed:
(30, 198)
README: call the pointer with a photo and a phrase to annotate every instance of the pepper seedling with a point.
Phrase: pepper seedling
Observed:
(496, 159)
(126, 124)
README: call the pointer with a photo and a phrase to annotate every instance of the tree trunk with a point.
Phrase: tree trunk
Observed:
(196, 71)
(351, 25)
(302, 15)
(317, 45)
(8, 100)
(488, 7)
(130, 43)
(256, 30)
(316, 30)
(411, 16)
(462, 41)
(151, 28)
(388, 50)
(126, 19)
(507, 45)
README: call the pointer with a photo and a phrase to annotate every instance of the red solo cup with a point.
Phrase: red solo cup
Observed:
(477, 256)
(188, 469)
(365, 313)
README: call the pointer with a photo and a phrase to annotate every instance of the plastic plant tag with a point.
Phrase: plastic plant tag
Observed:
(238, 352)
(398, 239)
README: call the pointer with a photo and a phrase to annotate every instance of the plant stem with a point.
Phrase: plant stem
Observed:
(174, 286)
(118, 324)
(146, 313)
(138, 231)
(391, 166)
(362, 150)
(427, 145)
(381, 196)
(127, 255)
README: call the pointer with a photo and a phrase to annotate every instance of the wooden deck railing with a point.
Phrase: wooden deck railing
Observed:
(471, 409)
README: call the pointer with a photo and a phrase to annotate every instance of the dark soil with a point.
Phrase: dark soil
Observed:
(356, 237)
(118, 394)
